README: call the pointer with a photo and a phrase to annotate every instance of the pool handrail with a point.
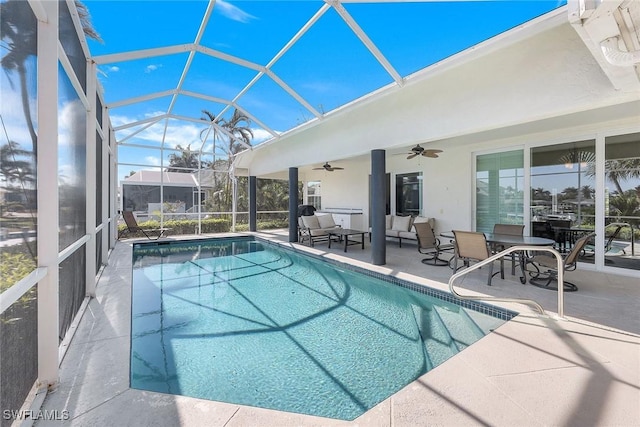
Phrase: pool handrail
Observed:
(529, 302)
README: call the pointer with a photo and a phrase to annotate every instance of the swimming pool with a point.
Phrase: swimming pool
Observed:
(248, 322)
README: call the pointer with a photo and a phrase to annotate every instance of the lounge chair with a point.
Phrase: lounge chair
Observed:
(611, 245)
(133, 227)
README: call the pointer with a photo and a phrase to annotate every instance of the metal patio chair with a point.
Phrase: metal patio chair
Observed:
(509, 230)
(547, 266)
(471, 246)
(428, 243)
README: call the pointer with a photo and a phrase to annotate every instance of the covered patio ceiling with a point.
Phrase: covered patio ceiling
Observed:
(282, 64)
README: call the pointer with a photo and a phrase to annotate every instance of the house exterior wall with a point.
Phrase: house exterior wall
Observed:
(547, 81)
(544, 89)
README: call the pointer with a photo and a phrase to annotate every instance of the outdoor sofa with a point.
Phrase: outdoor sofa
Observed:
(315, 227)
(401, 227)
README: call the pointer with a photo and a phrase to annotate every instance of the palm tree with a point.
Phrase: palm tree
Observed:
(19, 35)
(622, 170)
(14, 166)
(239, 127)
(187, 159)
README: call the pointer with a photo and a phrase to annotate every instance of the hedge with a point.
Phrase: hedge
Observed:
(190, 226)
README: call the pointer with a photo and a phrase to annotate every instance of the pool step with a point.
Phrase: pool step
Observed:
(437, 341)
(462, 328)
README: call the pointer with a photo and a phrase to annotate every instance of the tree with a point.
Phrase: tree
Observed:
(19, 35)
(187, 159)
(238, 126)
(15, 163)
(236, 129)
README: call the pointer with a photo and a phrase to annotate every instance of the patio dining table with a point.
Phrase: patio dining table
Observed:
(507, 241)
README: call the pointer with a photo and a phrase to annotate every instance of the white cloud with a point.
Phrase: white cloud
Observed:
(178, 133)
(233, 12)
(152, 160)
(71, 122)
(152, 67)
(105, 71)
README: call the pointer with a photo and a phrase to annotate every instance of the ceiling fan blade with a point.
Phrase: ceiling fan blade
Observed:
(335, 168)
(318, 169)
(411, 156)
(431, 153)
(329, 169)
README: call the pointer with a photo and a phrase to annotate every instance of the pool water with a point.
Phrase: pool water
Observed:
(247, 322)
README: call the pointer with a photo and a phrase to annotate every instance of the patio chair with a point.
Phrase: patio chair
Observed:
(610, 245)
(428, 243)
(547, 266)
(510, 230)
(132, 227)
(471, 246)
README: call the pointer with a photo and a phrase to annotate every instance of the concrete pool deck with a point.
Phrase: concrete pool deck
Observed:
(582, 371)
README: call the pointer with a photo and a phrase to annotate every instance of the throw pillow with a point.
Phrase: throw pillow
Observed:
(401, 223)
(388, 222)
(311, 222)
(326, 221)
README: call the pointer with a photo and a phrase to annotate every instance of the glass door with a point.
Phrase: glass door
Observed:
(499, 189)
(622, 201)
(563, 193)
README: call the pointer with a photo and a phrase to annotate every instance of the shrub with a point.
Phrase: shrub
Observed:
(190, 226)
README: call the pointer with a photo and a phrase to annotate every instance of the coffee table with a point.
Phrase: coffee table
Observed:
(344, 233)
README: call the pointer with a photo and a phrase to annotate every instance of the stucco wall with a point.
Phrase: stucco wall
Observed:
(550, 74)
(545, 88)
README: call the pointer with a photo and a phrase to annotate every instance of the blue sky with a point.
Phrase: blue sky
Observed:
(328, 66)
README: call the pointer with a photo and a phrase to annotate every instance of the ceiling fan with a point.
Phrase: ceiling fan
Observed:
(420, 151)
(328, 168)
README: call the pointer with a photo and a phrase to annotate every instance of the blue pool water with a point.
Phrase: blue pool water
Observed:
(247, 322)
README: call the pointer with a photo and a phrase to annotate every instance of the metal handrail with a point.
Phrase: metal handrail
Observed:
(530, 302)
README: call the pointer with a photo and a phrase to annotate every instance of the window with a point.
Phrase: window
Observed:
(409, 194)
(499, 189)
(314, 194)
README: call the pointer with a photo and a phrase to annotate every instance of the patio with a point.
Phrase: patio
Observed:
(531, 371)
(533, 119)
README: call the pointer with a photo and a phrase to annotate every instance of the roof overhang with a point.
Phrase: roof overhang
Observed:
(535, 78)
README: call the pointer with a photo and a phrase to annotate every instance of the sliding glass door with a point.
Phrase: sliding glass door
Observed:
(622, 201)
(499, 189)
